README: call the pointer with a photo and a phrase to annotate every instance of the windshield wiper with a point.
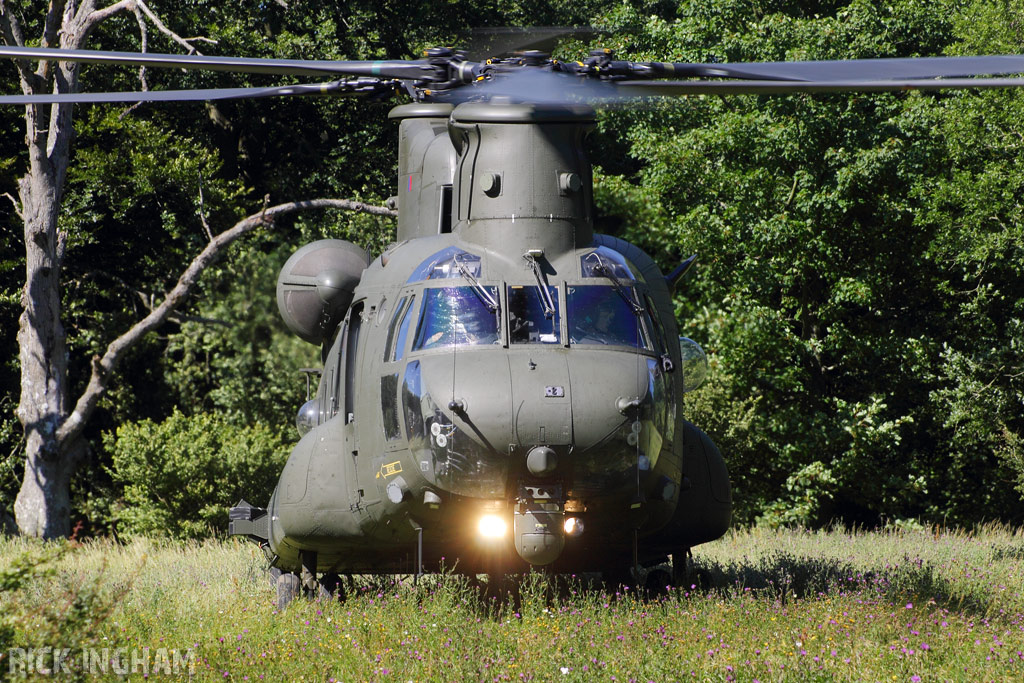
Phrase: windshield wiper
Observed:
(480, 290)
(601, 268)
(545, 294)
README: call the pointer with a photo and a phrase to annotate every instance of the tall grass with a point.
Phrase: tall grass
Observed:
(760, 605)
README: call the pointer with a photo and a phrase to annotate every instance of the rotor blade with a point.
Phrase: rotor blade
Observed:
(841, 70)
(412, 69)
(182, 95)
(630, 89)
(546, 87)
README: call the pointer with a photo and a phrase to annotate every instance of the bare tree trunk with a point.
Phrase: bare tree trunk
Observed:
(53, 427)
(43, 504)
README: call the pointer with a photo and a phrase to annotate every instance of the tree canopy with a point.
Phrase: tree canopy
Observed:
(861, 290)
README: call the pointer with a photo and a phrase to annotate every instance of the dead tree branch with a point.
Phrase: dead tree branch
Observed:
(143, 44)
(202, 211)
(184, 42)
(102, 368)
(11, 28)
(89, 18)
(17, 205)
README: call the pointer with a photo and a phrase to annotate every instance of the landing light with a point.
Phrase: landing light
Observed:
(573, 526)
(491, 526)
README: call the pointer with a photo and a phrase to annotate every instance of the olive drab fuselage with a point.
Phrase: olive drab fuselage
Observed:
(499, 359)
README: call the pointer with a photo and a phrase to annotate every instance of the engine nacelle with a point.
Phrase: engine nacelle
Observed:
(316, 285)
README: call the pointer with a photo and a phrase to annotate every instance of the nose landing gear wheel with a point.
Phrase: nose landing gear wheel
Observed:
(618, 579)
(682, 567)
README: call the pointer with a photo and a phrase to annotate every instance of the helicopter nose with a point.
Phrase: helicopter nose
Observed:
(608, 388)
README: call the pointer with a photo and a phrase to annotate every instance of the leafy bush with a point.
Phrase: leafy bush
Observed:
(181, 475)
(808, 490)
(11, 460)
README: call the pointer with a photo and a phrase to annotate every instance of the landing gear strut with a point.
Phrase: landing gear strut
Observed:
(682, 567)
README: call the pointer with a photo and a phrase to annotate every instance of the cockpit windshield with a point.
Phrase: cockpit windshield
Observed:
(598, 314)
(530, 320)
(456, 316)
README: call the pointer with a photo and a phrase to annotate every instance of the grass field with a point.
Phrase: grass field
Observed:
(764, 605)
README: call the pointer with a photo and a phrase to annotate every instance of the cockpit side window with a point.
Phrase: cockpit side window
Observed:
(389, 346)
(600, 314)
(456, 316)
(389, 407)
(403, 330)
(605, 262)
(398, 331)
(528, 321)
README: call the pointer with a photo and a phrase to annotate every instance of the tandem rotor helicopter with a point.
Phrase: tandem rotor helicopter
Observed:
(502, 386)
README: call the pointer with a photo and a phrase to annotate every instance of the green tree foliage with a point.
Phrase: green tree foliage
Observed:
(238, 359)
(976, 212)
(861, 291)
(180, 475)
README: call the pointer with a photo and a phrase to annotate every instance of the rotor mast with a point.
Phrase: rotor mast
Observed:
(499, 175)
(522, 181)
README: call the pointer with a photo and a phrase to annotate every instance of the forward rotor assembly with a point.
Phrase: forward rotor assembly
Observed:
(446, 75)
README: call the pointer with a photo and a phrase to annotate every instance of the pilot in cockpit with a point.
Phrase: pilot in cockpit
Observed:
(599, 315)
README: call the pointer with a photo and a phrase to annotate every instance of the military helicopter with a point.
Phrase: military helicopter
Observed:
(502, 386)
